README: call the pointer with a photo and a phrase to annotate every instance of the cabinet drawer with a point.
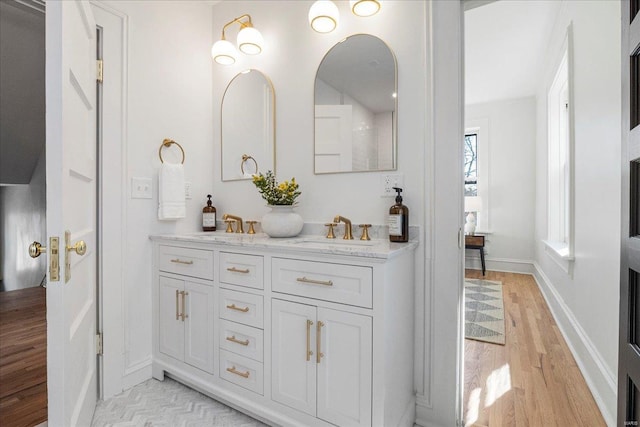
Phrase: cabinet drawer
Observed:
(241, 270)
(242, 371)
(241, 339)
(347, 284)
(189, 262)
(474, 240)
(241, 307)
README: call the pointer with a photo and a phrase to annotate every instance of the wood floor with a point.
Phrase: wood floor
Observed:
(23, 357)
(533, 380)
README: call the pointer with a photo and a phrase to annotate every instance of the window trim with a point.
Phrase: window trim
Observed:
(562, 250)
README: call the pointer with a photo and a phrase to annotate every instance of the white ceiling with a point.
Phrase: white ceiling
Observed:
(505, 42)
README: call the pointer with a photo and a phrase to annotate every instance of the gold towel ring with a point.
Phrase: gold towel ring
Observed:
(167, 143)
(246, 157)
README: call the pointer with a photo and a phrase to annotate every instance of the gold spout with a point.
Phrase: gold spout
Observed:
(347, 226)
(239, 228)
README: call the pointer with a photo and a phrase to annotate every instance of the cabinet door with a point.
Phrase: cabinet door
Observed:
(293, 368)
(344, 371)
(171, 328)
(198, 326)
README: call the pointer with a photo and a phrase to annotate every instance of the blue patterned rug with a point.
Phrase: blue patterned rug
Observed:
(484, 311)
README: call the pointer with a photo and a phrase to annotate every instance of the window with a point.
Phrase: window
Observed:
(559, 166)
(471, 164)
(476, 168)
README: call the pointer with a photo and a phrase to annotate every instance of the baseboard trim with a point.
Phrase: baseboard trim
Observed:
(137, 374)
(507, 265)
(599, 379)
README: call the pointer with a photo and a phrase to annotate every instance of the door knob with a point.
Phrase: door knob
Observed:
(80, 247)
(35, 249)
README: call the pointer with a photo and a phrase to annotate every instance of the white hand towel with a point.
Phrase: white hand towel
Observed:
(171, 192)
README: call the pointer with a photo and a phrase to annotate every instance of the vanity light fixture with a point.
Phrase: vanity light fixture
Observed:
(364, 7)
(324, 16)
(250, 42)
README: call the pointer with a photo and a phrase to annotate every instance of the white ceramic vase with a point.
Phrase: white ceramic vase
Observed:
(282, 221)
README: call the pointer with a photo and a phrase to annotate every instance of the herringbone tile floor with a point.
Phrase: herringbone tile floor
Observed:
(167, 403)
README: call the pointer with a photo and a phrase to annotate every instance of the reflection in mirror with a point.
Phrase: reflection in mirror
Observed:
(248, 127)
(355, 107)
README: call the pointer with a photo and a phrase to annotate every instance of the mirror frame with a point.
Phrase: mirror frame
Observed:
(273, 119)
(394, 122)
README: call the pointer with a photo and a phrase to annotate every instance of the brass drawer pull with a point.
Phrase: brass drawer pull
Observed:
(233, 307)
(233, 338)
(179, 261)
(319, 354)
(315, 282)
(235, 270)
(234, 371)
(309, 352)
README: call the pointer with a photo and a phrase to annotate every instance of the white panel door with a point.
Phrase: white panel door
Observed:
(293, 349)
(333, 138)
(198, 326)
(71, 205)
(344, 371)
(170, 323)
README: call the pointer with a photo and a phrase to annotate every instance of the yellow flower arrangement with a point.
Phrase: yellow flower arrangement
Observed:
(284, 193)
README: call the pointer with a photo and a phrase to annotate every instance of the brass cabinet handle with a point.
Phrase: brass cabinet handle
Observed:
(179, 261)
(184, 297)
(319, 354)
(235, 270)
(315, 282)
(233, 338)
(233, 307)
(177, 305)
(234, 371)
(309, 352)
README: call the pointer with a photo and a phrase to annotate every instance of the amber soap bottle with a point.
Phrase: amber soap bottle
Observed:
(398, 220)
(209, 216)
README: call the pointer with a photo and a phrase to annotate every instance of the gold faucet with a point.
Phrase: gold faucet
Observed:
(347, 226)
(237, 219)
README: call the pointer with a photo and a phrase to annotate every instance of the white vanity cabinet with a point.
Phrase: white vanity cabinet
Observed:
(185, 306)
(292, 333)
(322, 362)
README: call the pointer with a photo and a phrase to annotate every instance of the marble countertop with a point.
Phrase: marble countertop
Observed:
(374, 248)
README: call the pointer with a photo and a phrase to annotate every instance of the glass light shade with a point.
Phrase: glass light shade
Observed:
(324, 16)
(224, 52)
(250, 41)
(364, 7)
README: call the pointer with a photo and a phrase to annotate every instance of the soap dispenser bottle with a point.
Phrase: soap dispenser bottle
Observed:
(398, 220)
(209, 216)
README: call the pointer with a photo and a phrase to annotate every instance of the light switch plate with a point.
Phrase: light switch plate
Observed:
(141, 188)
(187, 190)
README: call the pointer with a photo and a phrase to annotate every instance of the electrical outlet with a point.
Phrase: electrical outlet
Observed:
(388, 181)
(187, 190)
(141, 188)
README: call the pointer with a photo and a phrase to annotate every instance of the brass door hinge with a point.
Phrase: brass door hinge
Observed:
(99, 344)
(99, 70)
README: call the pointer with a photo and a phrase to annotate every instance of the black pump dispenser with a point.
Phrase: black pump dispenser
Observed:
(398, 220)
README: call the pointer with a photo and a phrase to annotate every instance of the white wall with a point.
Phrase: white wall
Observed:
(168, 95)
(509, 129)
(22, 221)
(585, 303)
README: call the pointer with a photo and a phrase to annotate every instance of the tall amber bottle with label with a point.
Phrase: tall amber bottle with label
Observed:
(398, 220)
(209, 216)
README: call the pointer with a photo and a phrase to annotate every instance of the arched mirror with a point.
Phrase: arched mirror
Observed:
(356, 107)
(248, 126)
